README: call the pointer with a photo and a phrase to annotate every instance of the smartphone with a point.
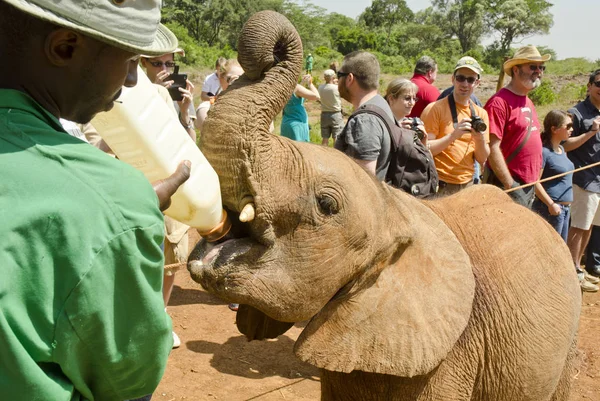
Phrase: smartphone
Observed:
(179, 81)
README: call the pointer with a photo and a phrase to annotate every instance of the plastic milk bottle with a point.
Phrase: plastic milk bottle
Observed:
(144, 132)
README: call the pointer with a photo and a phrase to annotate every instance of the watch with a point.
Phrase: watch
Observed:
(189, 125)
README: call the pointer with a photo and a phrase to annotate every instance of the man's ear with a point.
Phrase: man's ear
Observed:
(60, 46)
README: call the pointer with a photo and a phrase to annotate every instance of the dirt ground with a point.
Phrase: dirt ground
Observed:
(215, 362)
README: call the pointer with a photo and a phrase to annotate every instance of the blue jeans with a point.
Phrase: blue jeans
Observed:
(560, 222)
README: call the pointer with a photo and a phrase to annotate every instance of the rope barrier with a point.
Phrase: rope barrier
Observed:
(552, 178)
(175, 266)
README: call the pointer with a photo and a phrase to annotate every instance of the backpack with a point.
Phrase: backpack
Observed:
(411, 164)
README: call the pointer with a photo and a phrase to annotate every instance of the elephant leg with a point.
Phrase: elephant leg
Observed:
(566, 379)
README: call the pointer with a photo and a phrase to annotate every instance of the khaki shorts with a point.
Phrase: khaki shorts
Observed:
(584, 210)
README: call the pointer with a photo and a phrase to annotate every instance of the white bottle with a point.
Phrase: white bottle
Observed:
(143, 131)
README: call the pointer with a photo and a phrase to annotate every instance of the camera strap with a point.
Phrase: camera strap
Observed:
(452, 105)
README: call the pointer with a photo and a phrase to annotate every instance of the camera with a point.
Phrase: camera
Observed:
(179, 81)
(414, 125)
(478, 124)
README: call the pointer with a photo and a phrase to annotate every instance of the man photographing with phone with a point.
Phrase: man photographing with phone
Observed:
(161, 70)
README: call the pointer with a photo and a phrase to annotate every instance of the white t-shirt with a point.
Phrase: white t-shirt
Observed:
(211, 84)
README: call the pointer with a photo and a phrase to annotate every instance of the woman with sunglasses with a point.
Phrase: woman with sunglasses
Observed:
(294, 124)
(401, 95)
(553, 198)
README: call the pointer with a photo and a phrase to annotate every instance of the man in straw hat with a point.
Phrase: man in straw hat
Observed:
(515, 143)
(81, 311)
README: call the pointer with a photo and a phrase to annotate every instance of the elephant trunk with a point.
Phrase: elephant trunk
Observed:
(235, 136)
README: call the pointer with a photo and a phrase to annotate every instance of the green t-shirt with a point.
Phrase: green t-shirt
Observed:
(81, 310)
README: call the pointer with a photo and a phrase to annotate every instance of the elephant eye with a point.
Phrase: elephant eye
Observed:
(328, 205)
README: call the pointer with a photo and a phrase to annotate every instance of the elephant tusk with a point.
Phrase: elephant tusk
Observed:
(247, 213)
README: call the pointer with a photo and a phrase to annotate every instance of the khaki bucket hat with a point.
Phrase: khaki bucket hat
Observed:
(525, 55)
(132, 25)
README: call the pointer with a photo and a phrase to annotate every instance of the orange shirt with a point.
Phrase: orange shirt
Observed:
(455, 164)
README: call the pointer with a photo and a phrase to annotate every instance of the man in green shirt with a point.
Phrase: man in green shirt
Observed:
(81, 310)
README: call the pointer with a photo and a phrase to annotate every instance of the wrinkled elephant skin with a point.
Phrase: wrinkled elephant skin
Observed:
(469, 297)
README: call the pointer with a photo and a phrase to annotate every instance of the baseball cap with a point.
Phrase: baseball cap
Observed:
(329, 73)
(132, 25)
(470, 63)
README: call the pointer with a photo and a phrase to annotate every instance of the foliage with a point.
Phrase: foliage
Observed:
(577, 65)
(543, 94)
(385, 14)
(462, 19)
(446, 31)
(514, 19)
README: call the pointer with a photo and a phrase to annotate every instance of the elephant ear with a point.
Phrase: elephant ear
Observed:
(404, 318)
(256, 325)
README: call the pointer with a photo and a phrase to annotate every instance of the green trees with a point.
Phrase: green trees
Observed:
(446, 31)
(462, 19)
(515, 19)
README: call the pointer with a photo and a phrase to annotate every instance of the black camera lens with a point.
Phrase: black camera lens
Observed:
(478, 124)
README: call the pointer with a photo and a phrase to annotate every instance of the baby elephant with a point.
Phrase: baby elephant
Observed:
(469, 297)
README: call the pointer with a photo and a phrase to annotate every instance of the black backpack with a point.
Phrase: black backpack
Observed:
(411, 165)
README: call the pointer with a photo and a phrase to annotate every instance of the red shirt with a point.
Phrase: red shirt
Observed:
(426, 94)
(510, 115)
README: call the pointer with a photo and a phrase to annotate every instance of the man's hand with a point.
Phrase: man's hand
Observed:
(463, 127)
(595, 124)
(165, 188)
(161, 79)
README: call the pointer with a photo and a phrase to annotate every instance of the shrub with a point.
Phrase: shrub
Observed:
(543, 95)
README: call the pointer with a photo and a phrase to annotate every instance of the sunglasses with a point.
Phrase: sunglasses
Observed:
(168, 64)
(596, 84)
(341, 74)
(462, 78)
(535, 67)
(569, 126)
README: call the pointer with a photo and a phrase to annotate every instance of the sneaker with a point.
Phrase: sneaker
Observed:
(176, 341)
(586, 286)
(590, 278)
(234, 307)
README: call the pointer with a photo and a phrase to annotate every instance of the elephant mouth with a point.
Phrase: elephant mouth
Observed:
(208, 255)
(223, 266)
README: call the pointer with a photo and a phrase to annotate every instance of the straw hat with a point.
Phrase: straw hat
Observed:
(525, 55)
(131, 25)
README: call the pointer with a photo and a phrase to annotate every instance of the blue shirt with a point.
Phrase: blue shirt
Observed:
(559, 189)
(583, 115)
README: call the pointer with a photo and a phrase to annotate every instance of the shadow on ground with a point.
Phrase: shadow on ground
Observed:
(276, 358)
(191, 296)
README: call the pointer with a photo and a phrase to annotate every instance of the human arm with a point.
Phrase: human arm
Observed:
(482, 140)
(362, 140)
(308, 92)
(437, 146)
(498, 164)
(369, 165)
(186, 106)
(542, 195)
(579, 139)
(201, 113)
